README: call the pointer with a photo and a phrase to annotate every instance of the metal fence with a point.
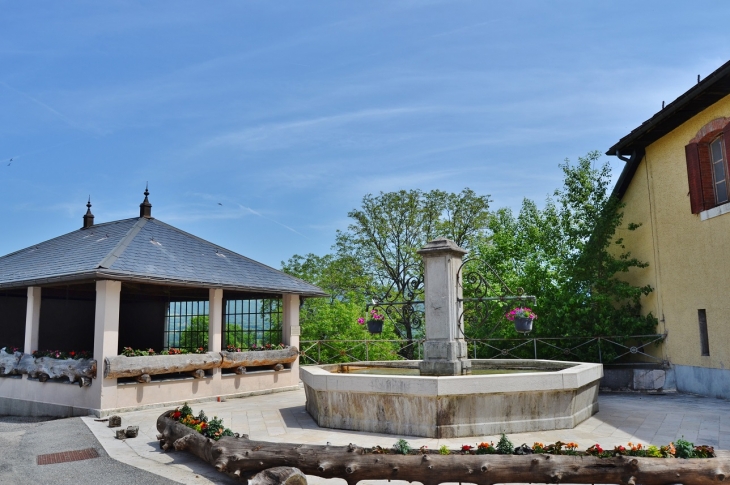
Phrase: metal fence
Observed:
(618, 350)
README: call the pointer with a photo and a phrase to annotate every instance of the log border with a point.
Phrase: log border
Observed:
(240, 457)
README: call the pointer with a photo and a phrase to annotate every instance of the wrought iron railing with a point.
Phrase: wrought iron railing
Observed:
(618, 350)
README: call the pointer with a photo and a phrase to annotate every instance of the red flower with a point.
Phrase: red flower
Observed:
(176, 415)
(466, 447)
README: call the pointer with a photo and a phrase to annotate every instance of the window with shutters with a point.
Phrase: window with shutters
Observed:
(707, 167)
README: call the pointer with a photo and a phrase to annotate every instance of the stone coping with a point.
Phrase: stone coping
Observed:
(572, 375)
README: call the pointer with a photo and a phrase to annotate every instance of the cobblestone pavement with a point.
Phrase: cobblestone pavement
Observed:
(281, 417)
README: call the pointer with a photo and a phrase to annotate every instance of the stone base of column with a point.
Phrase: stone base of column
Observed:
(445, 367)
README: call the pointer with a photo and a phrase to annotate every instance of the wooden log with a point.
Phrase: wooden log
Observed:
(27, 365)
(281, 475)
(121, 366)
(9, 361)
(197, 373)
(241, 457)
(257, 358)
(240, 370)
(45, 368)
(279, 367)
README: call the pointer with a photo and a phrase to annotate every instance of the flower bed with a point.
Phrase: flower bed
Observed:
(212, 429)
(679, 449)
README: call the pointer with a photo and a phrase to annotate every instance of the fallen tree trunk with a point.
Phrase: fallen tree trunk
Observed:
(122, 366)
(257, 358)
(242, 457)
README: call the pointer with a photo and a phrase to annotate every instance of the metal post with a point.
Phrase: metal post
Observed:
(534, 345)
(367, 352)
(600, 356)
(319, 352)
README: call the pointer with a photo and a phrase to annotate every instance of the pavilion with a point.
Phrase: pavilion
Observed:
(140, 283)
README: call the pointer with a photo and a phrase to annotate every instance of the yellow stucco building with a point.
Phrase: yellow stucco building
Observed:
(676, 184)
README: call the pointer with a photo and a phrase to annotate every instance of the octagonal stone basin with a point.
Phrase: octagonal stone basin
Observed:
(543, 395)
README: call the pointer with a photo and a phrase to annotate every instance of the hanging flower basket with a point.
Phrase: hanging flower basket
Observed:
(375, 326)
(523, 324)
(375, 322)
(522, 318)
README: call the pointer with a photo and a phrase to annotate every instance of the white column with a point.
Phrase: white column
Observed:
(290, 328)
(215, 319)
(106, 338)
(215, 333)
(32, 319)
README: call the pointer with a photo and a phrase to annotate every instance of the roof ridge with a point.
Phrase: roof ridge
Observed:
(123, 244)
(63, 235)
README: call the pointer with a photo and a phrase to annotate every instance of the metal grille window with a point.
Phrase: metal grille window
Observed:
(252, 322)
(186, 325)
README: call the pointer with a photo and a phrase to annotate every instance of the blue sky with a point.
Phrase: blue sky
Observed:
(287, 113)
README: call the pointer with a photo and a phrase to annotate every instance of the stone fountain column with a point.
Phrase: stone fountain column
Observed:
(444, 351)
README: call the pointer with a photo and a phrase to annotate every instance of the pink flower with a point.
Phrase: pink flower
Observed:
(361, 321)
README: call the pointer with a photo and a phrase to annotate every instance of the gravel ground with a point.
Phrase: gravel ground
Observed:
(22, 439)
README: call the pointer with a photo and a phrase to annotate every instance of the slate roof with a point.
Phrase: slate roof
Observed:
(143, 250)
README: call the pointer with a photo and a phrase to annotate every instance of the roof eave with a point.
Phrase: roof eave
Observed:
(103, 274)
(681, 109)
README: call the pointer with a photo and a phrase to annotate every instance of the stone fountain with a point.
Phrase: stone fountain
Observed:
(448, 395)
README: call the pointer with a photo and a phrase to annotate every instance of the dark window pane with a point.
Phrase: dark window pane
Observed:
(721, 192)
(717, 150)
(719, 171)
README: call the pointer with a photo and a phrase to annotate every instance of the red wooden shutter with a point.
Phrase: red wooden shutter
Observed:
(693, 176)
(726, 143)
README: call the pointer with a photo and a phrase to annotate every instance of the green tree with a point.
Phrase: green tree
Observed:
(388, 229)
(567, 255)
(335, 318)
(195, 334)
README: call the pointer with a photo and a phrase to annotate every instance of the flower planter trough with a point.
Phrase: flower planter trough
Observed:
(241, 457)
(142, 367)
(45, 368)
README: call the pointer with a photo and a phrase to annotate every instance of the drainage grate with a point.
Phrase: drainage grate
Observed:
(66, 456)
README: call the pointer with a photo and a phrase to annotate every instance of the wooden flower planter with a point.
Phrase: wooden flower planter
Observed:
(145, 366)
(45, 368)
(142, 367)
(242, 457)
(259, 358)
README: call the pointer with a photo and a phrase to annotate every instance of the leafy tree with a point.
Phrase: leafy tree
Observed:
(567, 255)
(195, 334)
(335, 318)
(389, 229)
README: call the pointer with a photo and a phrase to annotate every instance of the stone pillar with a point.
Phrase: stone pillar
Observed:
(106, 338)
(290, 326)
(32, 319)
(215, 332)
(444, 351)
(215, 319)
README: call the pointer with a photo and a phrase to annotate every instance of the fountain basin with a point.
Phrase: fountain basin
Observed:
(557, 395)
